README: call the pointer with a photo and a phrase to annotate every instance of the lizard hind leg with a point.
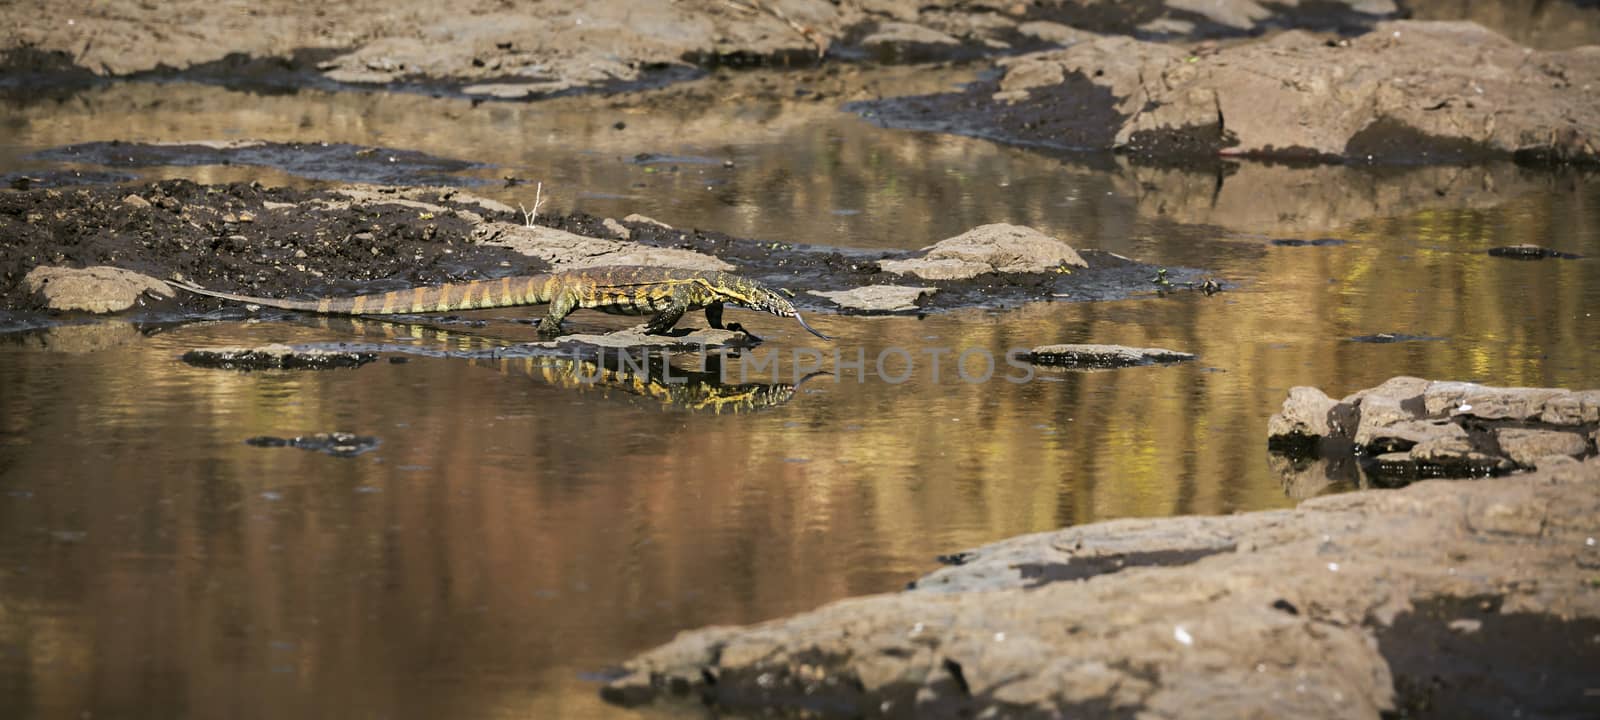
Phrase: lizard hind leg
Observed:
(663, 321)
(561, 306)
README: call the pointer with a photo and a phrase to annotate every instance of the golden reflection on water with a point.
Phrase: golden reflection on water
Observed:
(512, 532)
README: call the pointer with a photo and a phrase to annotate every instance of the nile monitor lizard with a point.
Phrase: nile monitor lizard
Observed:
(664, 293)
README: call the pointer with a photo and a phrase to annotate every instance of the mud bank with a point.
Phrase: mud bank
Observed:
(1354, 605)
(279, 242)
(492, 50)
(1383, 97)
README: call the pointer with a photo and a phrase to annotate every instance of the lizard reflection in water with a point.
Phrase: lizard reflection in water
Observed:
(606, 370)
(674, 387)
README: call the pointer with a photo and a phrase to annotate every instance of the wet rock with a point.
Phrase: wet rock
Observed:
(1398, 400)
(1385, 338)
(337, 444)
(998, 248)
(276, 357)
(1526, 446)
(879, 298)
(1266, 614)
(99, 289)
(1410, 427)
(621, 231)
(1104, 356)
(637, 218)
(1307, 414)
(568, 251)
(1530, 252)
(907, 42)
(900, 33)
(513, 91)
(1381, 97)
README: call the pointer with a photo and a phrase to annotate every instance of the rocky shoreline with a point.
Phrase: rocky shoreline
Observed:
(1363, 604)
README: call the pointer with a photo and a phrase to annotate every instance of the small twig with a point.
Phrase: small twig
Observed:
(538, 199)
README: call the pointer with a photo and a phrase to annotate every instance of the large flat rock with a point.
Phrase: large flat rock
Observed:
(99, 289)
(1409, 91)
(995, 248)
(1343, 608)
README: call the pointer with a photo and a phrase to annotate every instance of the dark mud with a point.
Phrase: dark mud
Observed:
(240, 237)
(1465, 658)
(318, 161)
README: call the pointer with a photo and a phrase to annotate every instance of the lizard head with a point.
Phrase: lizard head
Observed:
(752, 296)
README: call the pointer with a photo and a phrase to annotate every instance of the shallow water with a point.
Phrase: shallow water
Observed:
(513, 532)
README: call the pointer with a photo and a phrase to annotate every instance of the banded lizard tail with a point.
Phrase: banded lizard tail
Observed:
(663, 293)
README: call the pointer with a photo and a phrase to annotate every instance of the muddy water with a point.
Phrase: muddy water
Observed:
(514, 531)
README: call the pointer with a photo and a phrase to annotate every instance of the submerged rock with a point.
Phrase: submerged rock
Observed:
(276, 357)
(879, 298)
(1530, 252)
(1266, 614)
(1104, 356)
(1385, 338)
(1411, 427)
(337, 444)
(997, 248)
(100, 289)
